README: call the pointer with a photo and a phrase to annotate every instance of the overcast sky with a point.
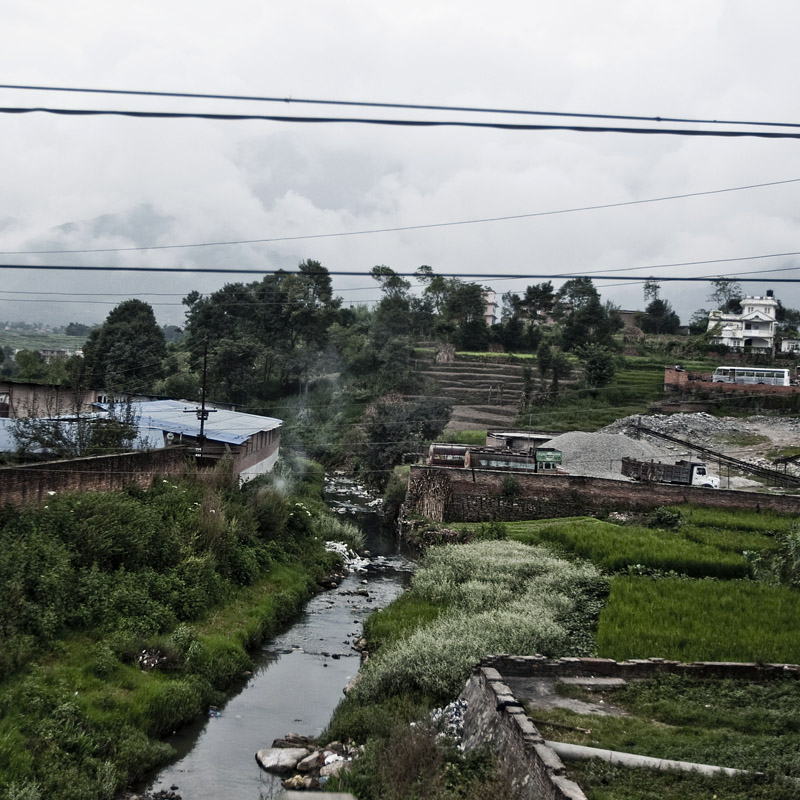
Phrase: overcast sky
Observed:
(105, 182)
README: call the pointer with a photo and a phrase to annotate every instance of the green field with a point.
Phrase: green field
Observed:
(39, 340)
(617, 548)
(636, 386)
(727, 723)
(700, 620)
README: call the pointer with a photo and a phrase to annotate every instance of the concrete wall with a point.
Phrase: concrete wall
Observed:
(447, 494)
(33, 483)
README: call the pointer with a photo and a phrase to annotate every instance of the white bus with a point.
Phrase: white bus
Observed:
(768, 375)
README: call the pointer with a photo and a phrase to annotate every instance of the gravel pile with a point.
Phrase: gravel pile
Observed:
(599, 455)
(695, 427)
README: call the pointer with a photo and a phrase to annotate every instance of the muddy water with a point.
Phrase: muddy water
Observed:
(298, 681)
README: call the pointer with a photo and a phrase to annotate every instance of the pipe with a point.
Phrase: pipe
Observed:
(577, 752)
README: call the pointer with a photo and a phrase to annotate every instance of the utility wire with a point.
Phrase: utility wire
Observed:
(403, 228)
(346, 273)
(402, 123)
(408, 106)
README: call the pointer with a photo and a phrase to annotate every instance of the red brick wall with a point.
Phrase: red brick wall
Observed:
(683, 380)
(447, 494)
(33, 483)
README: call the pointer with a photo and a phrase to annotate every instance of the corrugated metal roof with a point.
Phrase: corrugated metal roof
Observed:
(174, 416)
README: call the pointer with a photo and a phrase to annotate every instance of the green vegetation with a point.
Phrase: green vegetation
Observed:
(466, 601)
(125, 615)
(699, 620)
(474, 438)
(415, 762)
(637, 384)
(614, 547)
(727, 723)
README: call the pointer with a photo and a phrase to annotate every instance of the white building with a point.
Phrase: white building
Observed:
(753, 327)
(490, 306)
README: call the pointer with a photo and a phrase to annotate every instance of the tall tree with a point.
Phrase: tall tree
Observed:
(277, 327)
(658, 317)
(125, 353)
(726, 294)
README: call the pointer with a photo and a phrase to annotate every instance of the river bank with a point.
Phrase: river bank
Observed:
(299, 675)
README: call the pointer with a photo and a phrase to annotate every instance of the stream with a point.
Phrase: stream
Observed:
(298, 679)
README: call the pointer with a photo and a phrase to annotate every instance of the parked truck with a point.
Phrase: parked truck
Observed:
(689, 473)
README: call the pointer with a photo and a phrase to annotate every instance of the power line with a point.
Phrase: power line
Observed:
(495, 275)
(403, 228)
(407, 106)
(402, 123)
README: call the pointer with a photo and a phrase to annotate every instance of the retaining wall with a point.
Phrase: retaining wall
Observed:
(495, 717)
(448, 494)
(33, 483)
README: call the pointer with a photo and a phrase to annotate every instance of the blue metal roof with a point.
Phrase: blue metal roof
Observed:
(175, 416)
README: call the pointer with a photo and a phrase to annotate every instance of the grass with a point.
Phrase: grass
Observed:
(727, 723)
(782, 452)
(636, 386)
(88, 702)
(614, 547)
(699, 620)
(474, 438)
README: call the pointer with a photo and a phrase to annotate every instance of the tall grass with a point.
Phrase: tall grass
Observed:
(614, 547)
(691, 620)
(495, 597)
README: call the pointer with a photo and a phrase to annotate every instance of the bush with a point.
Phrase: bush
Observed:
(496, 597)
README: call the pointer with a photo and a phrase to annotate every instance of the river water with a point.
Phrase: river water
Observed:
(299, 677)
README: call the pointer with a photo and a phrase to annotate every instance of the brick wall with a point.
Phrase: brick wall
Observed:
(33, 483)
(679, 379)
(447, 494)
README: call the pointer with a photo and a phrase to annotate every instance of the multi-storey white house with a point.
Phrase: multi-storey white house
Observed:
(753, 327)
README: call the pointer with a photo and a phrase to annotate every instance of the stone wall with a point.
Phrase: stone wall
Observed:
(493, 717)
(448, 494)
(33, 483)
(638, 668)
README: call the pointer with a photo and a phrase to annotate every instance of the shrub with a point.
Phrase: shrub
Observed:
(497, 597)
(664, 517)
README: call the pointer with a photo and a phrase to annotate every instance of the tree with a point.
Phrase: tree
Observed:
(651, 289)
(125, 353)
(279, 325)
(574, 295)
(726, 294)
(77, 329)
(599, 365)
(698, 322)
(537, 301)
(77, 435)
(30, 365)
(591, 322)
(559, 368)
(396, 427)
(658, 318)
